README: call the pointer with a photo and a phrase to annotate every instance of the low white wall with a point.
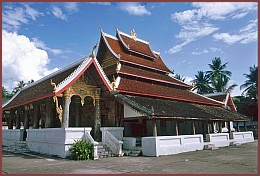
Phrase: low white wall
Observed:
(168, 145)
(218, 139)
(243, 137)
(129, 143)
(11, 136)
(54, 141)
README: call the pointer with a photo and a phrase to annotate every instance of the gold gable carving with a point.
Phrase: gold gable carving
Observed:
(84, 91)
(84, 79)
(109, 60)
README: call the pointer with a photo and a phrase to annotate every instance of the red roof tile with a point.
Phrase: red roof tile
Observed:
(126, 57)
(148, 89)
(136, 45)
(142, 73)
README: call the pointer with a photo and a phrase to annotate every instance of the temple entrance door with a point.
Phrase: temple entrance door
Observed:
(87, 113)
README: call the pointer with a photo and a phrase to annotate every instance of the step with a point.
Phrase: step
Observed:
(234, 143)
(210, 147)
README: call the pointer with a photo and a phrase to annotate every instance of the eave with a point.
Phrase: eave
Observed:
(167, 97)
(157, 80)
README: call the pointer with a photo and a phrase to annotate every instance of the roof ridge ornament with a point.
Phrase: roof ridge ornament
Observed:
(133, 34)
(101, 31)
(93, 53)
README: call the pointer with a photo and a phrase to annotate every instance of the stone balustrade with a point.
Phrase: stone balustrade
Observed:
(11, 136)
(168, 145)
(218, 139)
(54, 141)
(242, 137)
(112, 137)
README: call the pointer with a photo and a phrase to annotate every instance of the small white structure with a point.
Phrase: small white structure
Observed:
(168, 145)
(129, 143)
(11, 136)
(242, 137)
(55, 141)
(218, 139)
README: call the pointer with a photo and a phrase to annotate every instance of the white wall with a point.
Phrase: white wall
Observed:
(54, 141)
(129, 112)
(11, 136)
(218, 139)
(168, 145)
(242, 137)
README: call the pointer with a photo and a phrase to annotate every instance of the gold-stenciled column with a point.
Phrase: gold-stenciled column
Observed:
(97, 120)
(77, 102)
(66, 109)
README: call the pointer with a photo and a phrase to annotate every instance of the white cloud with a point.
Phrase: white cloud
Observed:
(191, 33)
(21, 60)
(195, 23)
(200, 53)
(245, 35)
(224, 10)
(213, 49)
(32, 12)
(40, 44)
(134, 9)
(57, 12)
(71, 6)
(13, 17)
(188, 80)
(179, 47)
(99, 3)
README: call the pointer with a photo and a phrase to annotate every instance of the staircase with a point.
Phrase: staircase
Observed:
(18, 147)
(103, 151)
(210, 147)
(137, 151)
(234, 143)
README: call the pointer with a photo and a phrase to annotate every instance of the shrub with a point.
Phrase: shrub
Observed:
(81, 150)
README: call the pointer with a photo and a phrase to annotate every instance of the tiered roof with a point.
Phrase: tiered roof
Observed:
(143, 71)
(145, 82)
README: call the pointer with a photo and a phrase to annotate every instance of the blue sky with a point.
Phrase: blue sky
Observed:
(39, 38)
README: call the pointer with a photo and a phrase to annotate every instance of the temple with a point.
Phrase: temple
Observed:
(122, 95)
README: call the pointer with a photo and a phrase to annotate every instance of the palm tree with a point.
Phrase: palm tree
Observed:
(251, 84)
(219, 83)
(4, 92)
(202, 83)
(31, 81)
(19, 86)
(179, 77)
(218, 75)
(5, 95)
(230, 88)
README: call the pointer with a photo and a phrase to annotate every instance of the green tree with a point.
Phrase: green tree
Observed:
(202, 83)
(251, 84)
(19, 86)
(218, 76)
(5, 95)
(179, 77)
(31, 81)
